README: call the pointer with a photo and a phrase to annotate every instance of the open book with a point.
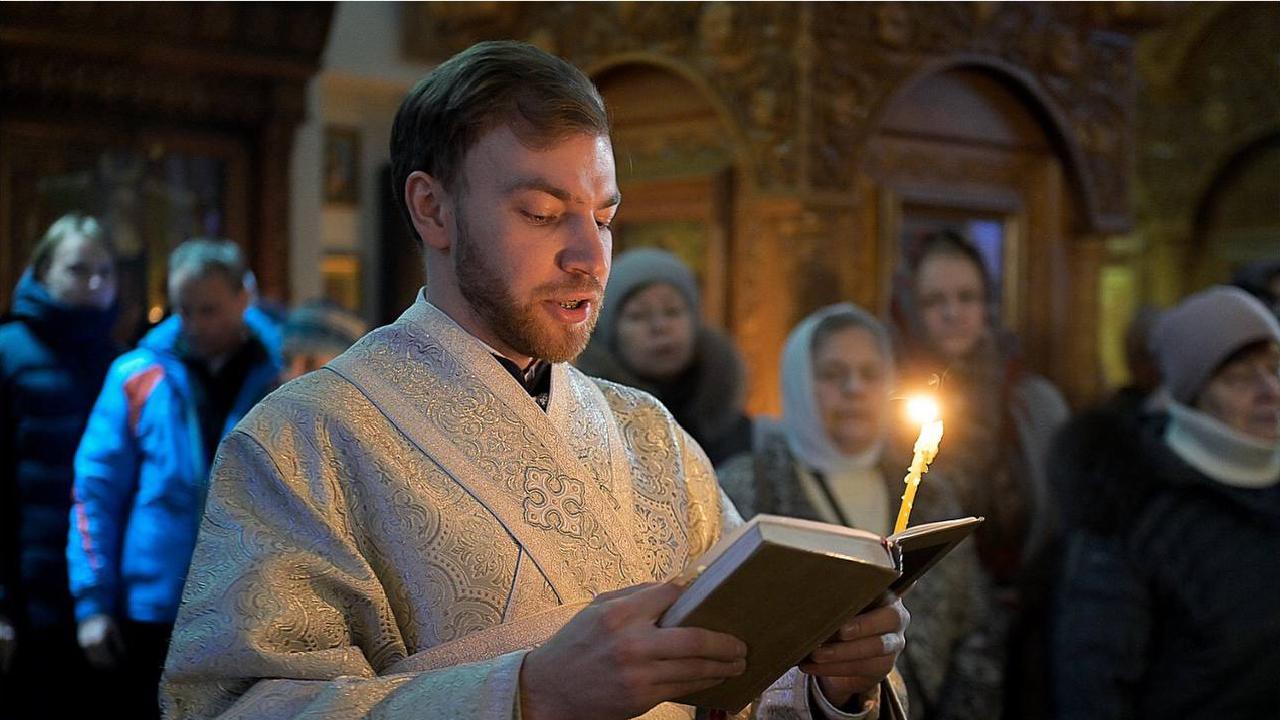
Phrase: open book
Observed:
(784, 586)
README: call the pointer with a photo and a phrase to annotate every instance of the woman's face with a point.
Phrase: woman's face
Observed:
(851, 386)
(656, 331)
(81, 273)
(1245, 393)
(952, 303)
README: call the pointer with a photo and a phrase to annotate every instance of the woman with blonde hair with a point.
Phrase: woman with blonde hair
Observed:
(55, 347)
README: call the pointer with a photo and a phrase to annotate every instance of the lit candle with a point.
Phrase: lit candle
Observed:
(924, 411)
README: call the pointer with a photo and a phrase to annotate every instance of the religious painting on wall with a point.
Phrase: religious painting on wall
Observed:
(340, 272)
(341, 165)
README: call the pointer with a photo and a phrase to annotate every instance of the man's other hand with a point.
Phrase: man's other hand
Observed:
(861, 653)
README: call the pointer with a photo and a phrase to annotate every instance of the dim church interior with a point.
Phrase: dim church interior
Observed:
(1103, 156)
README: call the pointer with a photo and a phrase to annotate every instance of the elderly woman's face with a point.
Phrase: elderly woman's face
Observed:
(952, 304)
(656, 331)
(851, 381)
(1245, 393)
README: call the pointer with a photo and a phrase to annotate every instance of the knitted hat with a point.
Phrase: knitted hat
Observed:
(637, 269)
(321, 326)
(1192, 339)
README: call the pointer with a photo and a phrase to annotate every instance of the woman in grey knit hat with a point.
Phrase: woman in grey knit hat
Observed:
(1169, 602)
(650, 335)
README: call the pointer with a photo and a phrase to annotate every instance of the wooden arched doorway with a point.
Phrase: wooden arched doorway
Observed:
(970, 148)
(675, 164)
(1237, 220)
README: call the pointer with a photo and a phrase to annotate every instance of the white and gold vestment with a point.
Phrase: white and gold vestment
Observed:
(387, 536)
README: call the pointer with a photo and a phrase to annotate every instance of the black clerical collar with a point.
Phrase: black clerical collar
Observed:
(535, 379)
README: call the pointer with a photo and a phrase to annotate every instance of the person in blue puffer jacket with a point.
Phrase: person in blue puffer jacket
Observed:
(55, 347)
(143, 465)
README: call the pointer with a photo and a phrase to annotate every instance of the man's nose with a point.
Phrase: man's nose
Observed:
(586, 249)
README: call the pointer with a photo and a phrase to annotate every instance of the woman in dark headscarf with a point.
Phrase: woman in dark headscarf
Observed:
(1000, 419)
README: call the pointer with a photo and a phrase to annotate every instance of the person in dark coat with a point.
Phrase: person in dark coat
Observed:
(1168, 603)
(651, 336)
(55, 348)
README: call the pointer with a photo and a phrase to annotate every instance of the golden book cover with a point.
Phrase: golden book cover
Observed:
(784, 585)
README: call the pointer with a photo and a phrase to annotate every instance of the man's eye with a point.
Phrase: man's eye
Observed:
(538, 218)
(604, 224)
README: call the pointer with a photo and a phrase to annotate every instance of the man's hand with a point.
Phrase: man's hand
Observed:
(612, 661)
(101, 641)
(8, 644)
(861, 653)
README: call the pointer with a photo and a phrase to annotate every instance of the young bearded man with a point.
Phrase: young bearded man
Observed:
(451, 521)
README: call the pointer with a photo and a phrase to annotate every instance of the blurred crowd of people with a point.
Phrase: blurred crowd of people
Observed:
(1123, 570)
(107, 457)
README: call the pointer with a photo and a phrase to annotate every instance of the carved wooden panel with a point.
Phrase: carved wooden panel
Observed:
(805, 83)
(1063, 55)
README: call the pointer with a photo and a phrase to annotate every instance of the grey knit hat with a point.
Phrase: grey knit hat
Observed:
(1192, 339)
(637, 269)
(321, 326)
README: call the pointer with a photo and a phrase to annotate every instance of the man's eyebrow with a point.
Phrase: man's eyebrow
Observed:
(540, 185)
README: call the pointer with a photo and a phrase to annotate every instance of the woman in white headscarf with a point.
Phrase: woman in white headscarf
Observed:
(827, 460)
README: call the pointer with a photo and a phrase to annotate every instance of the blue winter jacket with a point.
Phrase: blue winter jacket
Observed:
(53, 358)
(141, 474)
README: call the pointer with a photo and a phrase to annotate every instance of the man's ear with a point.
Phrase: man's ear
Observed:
(429, 208)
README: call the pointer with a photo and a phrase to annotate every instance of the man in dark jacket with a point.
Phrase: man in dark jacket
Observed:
(54, 351)
(143, 465)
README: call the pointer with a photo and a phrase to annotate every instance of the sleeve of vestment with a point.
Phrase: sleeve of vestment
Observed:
(106, 467)
(283, 617)
(1100, 631)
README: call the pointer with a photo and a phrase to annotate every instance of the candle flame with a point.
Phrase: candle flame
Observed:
(924, 410)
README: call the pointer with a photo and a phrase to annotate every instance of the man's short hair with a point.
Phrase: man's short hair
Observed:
(542, 98)
(200, 257)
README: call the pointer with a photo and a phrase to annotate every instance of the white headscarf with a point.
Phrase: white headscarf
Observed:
(852, 477)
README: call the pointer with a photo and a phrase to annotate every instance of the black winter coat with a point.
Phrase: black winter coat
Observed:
(52, 362)
(1168, 601)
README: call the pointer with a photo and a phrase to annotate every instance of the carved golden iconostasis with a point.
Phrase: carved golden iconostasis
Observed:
(166, 120)
(1103, 154)
(785, 148)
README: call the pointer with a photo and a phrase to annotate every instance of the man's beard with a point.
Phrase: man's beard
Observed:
(521, 327)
